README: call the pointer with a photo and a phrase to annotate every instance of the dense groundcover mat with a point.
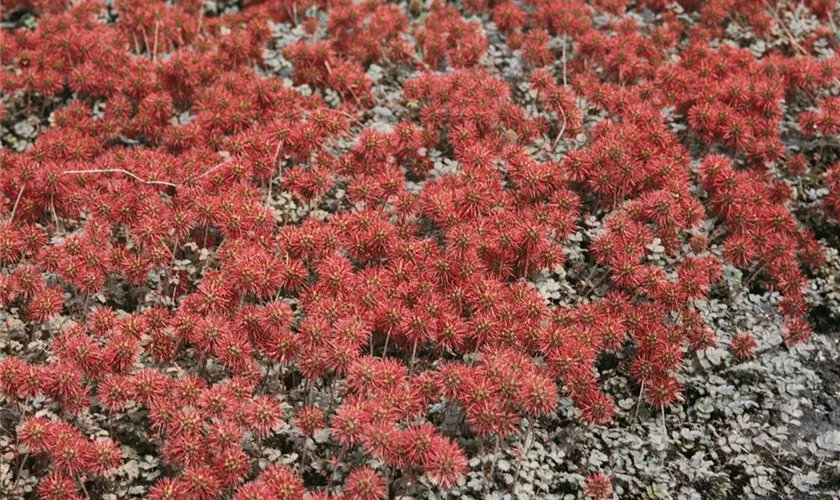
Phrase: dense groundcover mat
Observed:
(290, 249)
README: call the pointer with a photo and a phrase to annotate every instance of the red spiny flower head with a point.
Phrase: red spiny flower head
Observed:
(378, 439)
(28, 281)
(363, 375)
(445, 463)
(114, 391)
(256, 490)
(231, 465)
(263, 415)
(200, 483)
(36, 433)
(364, 484)
(149, 386)
(310, 419)
(102, 320)
(742, 345)
(70, 454)
(45, 304)
(185, 450)
(663, 390)
(8, 293)
(12, 371)
(538, 395)
(797, 331)
(120, 353)
(348, 422)
(103, 455)
(188, 421)
(11, 246)
(415, 443)
(596, 407)
(283, 482)
(188, 389)
(57, 486)
(168, 489)
(63, 382)
(598, 486)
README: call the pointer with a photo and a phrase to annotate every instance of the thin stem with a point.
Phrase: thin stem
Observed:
(215, 167)
(175, 292)
(303, 456)
(536, 104)
(639, 401)
(84, 310)
(718, 231)
(495, 452)
(20, 471)
(753, 275)
(200, 21)
(145, 39)
(413, 357)
(564, 58)
(259, 448)
(172, 263)
(461, 419)
(445, 413)
(781, 23)
(308, 390)
(137, 177)
(204, 242)
(17, 200)
(277, 155)
(664, 427)
(596, 284)
(335, 469)
(529, 440)
(332, 395)
(350, 116)
(562, 129)
(154, 51)
(267, 378)
(84, 489)
(111, 425)
(118, 171)
(54, 215)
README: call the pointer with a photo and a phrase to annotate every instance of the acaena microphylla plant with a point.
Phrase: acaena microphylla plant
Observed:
(446, 37)
(72, 457)
(825, 122)
(776, 250)
(221, 267)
